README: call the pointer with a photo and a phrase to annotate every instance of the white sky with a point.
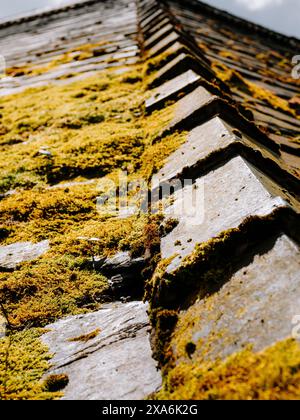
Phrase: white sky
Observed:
(259, 4)
(280, 15)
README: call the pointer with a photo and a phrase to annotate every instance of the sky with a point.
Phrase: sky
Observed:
(280, 15)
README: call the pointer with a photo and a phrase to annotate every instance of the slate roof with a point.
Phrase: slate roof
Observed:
(231, 87)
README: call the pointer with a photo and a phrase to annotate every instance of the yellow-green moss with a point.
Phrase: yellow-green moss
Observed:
(236, 81)
(83, 132)
(44, 290)
(63, 281)
(272, 374)
(53, 134)
(199, 276)
(88, 128)
(23, 362)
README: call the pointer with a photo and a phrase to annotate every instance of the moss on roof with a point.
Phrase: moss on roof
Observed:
(57, 145)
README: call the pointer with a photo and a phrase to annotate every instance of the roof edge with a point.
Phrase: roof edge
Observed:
(40, 13)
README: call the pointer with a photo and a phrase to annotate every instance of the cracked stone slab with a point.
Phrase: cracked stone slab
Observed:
(12, 255)
(216, 202)
(256, 306)
(183, 83)
(116, 364)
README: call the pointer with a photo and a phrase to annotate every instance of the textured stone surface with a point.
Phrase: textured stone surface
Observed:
(155, 15)
(120, 261)
(179, 84)
(256, 306)
(258, 302)
(156, 27)
(116, 364)
(222, 200)
(12, 255)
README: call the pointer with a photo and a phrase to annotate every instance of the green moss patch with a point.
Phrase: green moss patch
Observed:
(84, 132)
(272, 374)
(23, 362)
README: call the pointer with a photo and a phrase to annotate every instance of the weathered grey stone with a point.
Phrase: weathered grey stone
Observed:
(72, 184)
(162, 45)
(156, 37)
(201, 142)
(121, 259)
(116, 364)
(180, 84)
(156, 27)
(7, 194)
(218, 201)
(256, 306)
(124, 273)
(146, 5)
(208, 143)
(191, 103)
(45, 152)
(12, 255)
(3, 324)
(157, 13)
(146, 9)
(200, 106)
(180, 60)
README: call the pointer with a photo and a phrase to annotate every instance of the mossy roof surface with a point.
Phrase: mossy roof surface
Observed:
(257, 66)
(71, 116)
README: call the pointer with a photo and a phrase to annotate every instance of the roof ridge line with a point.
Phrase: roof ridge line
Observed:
(217, 105)
(291, 40)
